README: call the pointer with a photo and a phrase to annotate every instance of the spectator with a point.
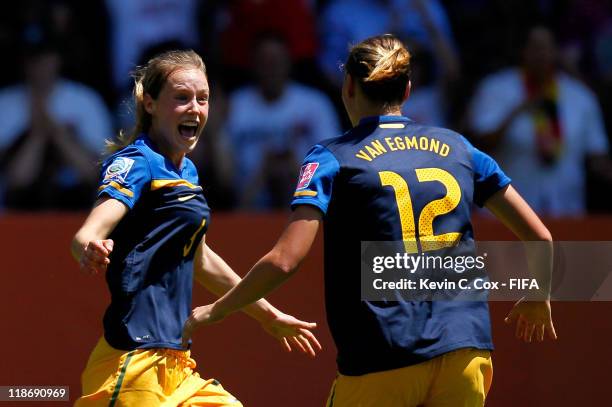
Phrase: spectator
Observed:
(241, 22)
(137, 25)
(345, 22)
(80, 38)
(52, 134)
(427, 104)
(273, 123)
(431, 94)
(541, 125)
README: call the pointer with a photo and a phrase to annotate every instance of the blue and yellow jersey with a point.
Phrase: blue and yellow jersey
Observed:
(150, 276)
(391, 179)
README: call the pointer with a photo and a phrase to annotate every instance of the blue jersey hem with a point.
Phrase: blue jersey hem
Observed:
(501, 185)
(148, 345)
(305, 201)
(164, 345)
(416, 359)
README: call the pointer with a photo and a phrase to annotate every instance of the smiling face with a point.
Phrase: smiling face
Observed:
(179, 113)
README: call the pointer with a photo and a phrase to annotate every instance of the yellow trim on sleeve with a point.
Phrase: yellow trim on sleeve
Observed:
(305, 193)
(162, 183)
(118, 187)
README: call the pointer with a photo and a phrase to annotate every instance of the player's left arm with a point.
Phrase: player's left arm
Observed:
(532, 315)
(211, 271)
(493, 190)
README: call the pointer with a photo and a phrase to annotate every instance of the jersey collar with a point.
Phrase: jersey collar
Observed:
(383, 119)
(146, 140)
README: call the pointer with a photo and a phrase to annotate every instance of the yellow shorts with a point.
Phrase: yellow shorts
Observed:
(147, 377)
(461, 378)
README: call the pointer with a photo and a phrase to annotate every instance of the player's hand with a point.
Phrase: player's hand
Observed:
(293, 333)
(200, 316)
(532, 319)
(95, 256)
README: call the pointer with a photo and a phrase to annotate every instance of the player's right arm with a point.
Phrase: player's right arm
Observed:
(310, 203)
(90, 246)
(124, 177)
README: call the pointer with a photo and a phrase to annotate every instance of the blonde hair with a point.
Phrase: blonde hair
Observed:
(381, 65)
(150, 79)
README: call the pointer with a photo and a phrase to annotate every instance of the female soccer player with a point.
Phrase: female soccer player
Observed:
(147, 232)
(391, 179)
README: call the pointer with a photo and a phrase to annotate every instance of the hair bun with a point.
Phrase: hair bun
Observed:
(391, 64)
(381, 67)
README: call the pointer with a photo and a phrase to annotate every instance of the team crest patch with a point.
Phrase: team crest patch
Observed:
(118, 169)
(306, 173)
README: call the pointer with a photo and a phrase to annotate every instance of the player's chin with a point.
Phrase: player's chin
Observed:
(188, 144)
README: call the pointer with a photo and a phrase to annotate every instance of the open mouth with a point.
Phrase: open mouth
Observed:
(188, 130)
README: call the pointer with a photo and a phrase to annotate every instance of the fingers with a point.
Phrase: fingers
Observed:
(306, 342)
(309, 350)
(108, 245)
(311, 338)
(520, 328)
(98, 246)
(511, 317)
(550, 328)
(285, 344)
(294, 340)
(540, 332)
(93, 265)
(95, 256)
(305, 325)
(529, 330)
(533, 319)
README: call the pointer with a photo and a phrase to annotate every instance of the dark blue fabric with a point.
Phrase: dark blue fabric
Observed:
(346, 187)
(150, 276)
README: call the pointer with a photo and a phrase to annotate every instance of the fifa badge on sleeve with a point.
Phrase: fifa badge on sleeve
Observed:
(306, 173)
(118, 169)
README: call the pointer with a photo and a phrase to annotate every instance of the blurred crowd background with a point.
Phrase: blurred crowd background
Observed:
(528, 81)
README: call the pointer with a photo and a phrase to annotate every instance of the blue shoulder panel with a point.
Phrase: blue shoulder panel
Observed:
(317, 174)
(124, 175)
(488, 176)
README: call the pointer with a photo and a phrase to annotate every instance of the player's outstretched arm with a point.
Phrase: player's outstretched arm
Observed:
(211, 271)
(267, 274)
(90, 246)
(532, 315)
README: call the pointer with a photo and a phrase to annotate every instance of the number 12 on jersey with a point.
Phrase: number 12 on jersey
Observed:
(426, 237)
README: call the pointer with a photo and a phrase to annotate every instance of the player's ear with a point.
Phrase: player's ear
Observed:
(148, 103)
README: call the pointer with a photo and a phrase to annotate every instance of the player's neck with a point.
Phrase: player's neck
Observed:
(374, 110)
